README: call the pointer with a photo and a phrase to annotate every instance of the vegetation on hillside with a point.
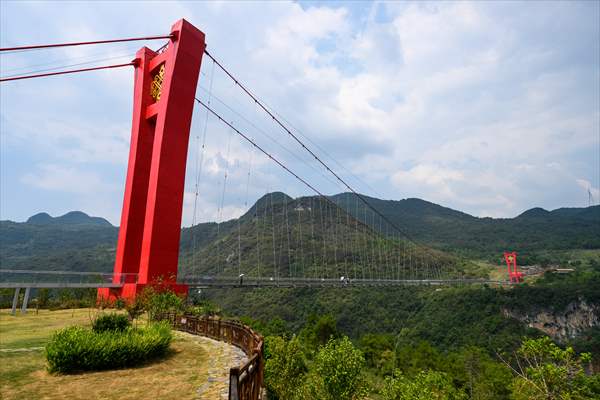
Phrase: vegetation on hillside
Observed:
(340, 369)
(286, 236)
(395, 342)
(530, 234)
(308, 237)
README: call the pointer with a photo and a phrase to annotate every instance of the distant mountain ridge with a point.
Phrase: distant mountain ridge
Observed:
(70, 218)
(80, 242)
(71, 242)
(535, 230)
(411, 206)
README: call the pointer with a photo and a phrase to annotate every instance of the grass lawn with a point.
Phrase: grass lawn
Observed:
(23, 372)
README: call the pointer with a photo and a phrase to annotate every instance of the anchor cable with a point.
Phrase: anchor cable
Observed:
(47, 46)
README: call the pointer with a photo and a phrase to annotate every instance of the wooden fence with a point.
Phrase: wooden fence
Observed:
(245, 381)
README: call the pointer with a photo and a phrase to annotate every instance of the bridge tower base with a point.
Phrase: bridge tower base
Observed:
(130, 290)
(163, 102)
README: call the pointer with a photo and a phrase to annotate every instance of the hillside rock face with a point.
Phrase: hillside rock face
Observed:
(560, 325)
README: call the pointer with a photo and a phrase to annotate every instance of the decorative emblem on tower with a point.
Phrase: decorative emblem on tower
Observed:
(156, 86)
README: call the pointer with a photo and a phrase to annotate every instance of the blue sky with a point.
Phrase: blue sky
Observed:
(487, 107)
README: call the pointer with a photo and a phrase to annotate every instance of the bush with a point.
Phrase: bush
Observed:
(426, 385)
(337, 373)
(284, 367)
(545, 371)
(111, 322)
(158, 301)
(79, 349)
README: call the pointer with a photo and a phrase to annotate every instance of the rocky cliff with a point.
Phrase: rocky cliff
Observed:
(564, 324)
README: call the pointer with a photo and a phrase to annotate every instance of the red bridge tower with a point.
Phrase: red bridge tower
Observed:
(514, 275)
(163, 101)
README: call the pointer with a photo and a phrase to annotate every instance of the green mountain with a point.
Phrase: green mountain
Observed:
(305, 237)
(533, 232)
(308, 236)
(70, 218)
(71, 242)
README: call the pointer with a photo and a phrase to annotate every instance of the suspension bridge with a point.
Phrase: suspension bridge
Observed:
(273, 239)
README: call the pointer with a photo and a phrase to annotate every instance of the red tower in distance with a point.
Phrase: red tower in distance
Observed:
(163, 102)
(514, 275)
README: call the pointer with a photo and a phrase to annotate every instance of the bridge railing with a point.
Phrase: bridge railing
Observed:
(20, 278)
(251, 282)
(245, 381)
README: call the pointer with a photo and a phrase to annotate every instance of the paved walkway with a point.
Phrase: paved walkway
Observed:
(222, 356)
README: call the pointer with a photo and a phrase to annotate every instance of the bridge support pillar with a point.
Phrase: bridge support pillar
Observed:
(25, 300)
(15, 302)
(165, 87)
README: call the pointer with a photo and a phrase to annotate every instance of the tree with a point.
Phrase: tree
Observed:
(336, 373)
(480, 376)
(135, 308)
(158, 301)
(318, 331)
(426, 385)
(412, 359)
(43, 297)
(545, 371)
(378, 351)
(284, 367)
(276, 327)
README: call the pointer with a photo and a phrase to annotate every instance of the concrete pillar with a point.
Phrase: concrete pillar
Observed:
(15, 301)
(25, 300)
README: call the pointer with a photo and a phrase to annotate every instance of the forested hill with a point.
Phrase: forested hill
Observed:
(531, 233)
(76, 241)
(73, 218)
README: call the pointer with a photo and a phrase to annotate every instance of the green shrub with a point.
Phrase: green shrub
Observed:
(284, 367)
(79, 349)
(111, 322)
(159, 301)
(337, 373)
(426, 385)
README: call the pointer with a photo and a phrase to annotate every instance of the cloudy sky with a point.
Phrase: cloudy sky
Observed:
(487, 107)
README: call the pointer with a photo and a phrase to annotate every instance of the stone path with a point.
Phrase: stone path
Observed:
(222, 356)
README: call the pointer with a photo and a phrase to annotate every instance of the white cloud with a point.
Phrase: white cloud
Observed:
(464, 103)
(70, 180)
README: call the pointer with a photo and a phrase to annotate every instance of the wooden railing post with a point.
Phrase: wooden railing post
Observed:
(234, 382)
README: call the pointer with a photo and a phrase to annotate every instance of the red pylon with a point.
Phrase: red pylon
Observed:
(514, 275)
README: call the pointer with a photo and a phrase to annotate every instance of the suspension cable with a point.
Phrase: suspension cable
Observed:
(284, 127)
(59, 63)
(245, 207)
(15, 78)
(220, 212)
(312, 153)
(129, 56)
(285, 167)
(275, 264)
(278, 121)
(200, 148)
(271, 138)
(47, 46)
